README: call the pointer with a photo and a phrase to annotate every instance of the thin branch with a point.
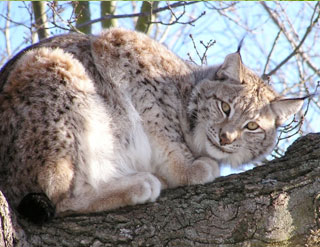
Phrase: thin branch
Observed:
(69, 22)
(203, 58)
(297, 48)
(177, 19)
(269, 56)
(7, 30)
(206, 47)
(82, 10)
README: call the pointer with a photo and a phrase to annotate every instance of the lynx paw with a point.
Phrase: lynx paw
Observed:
(203, 170)
(146, 188)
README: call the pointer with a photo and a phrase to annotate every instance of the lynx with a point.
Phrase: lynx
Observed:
(93, 123)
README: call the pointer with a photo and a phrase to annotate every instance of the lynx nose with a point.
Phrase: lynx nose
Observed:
(227, 138)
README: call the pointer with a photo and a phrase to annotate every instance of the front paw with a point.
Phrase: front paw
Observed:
(203, 170)
(145, 189)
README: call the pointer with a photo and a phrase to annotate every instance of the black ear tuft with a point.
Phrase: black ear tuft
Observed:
(240, 44)
(37, 208)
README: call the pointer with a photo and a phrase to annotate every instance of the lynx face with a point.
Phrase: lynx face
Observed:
(235, 116)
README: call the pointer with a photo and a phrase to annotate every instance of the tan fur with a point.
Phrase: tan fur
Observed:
(100, 122)
(56, 179)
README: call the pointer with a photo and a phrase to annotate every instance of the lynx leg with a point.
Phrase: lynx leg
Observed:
(129, 190)
(203, 170)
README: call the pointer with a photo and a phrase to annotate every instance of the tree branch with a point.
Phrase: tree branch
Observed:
(144, 21)
(277, 204)
(297, 49)
(264, 77)
(155, 11)
(7, 30)
(108, 7)
(82, 11)
(40, 17)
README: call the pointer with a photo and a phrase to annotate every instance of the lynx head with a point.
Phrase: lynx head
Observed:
(234, 116)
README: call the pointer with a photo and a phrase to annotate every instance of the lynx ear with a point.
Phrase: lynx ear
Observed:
(232, 67)
(285, 108)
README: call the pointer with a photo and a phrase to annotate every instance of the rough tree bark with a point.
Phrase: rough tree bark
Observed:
(272, 205)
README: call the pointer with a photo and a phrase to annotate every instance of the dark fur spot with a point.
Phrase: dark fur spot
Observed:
(44, 110)
(45, 132)
(141, 65)
(39, 157)
(116, 54)
(61, 112)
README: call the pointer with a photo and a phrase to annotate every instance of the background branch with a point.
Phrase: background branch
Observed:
(298, 46)
(39, 10)
(82, 11)
(154, 11)
(108, 8)
(147, 16)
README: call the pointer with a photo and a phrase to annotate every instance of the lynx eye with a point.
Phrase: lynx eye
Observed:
(252, 126)
(225, 108)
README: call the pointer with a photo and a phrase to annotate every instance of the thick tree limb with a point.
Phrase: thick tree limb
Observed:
(41, 19)
(272, 205)
(108, 7)
(144, 21)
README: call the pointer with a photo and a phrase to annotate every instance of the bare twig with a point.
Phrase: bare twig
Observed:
(69, 22)
(7, 30)
(203, 57)
(82, 10)
(176, 19)
(313, 22)
(294, 125)
(264, 76)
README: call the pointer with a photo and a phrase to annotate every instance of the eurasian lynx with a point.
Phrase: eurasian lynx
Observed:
(92, 123)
